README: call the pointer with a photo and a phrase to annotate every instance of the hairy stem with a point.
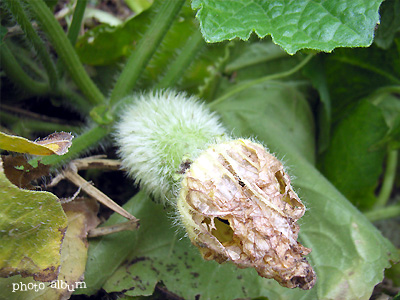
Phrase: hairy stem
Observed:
(145, 48)
(182, 62)
(17, 75)
(383, 213)
(247, 85)
(18, 12)
(388, 178)
(66, 52)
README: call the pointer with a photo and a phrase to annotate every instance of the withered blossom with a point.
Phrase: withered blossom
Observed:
(237, 205)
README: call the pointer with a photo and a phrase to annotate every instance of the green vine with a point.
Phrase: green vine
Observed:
(66, 52)
(76, 23)
(383, 213)
(145, 49)
(16, 9)
(14, 71)
(247, 85)
(177, 68)
(388, 178)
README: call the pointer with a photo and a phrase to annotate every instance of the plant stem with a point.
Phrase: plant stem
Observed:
(18, 75)
(16, 9)
(383, 213)
(78, 101)
(66, 52)
(80, 144)
(77, 18)
(28, 126)
(182, 62)
(391, 89)
(28, 64)
(74, 29)
(145, 49)
(246, 85)
(388, 178)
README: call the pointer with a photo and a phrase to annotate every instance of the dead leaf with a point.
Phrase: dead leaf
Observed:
(20, 172)
(56, 143)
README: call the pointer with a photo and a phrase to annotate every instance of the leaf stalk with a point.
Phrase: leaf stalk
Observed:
(66, 51)
(145, 49)
(249, 84)
(388, 178)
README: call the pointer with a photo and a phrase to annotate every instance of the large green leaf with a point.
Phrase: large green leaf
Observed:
(32, 226)
(294, 25)
(353, 163)
(349, 253)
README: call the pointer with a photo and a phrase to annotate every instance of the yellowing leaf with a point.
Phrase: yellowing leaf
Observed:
(82, 216)
(32, 226)
(56, 143)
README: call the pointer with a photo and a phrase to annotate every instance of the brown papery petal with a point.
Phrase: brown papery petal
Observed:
(237, 205)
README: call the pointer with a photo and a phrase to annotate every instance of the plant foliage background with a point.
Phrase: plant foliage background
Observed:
(318, 82)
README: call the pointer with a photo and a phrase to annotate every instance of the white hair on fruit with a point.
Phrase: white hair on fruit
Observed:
(156, 131)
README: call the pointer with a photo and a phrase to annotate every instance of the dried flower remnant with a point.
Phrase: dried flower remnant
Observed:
(237, 205)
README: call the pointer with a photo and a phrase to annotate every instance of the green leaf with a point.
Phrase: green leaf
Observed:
(348, 253)
(390, 23)
(354, 74)
(138, 5)
(390, 106)
(32, 226)
(105, 44)
(156, 253)
(276, 106)
(352, 163)
(254, 54)
(294, 25)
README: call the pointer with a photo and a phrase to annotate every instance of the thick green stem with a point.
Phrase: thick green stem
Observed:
(383, 213)
(145, 49)
(66, 52)
(17, 75)
(388, 179)
(18, 12)
(182, 62)
(82, 143)
(262, 79)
